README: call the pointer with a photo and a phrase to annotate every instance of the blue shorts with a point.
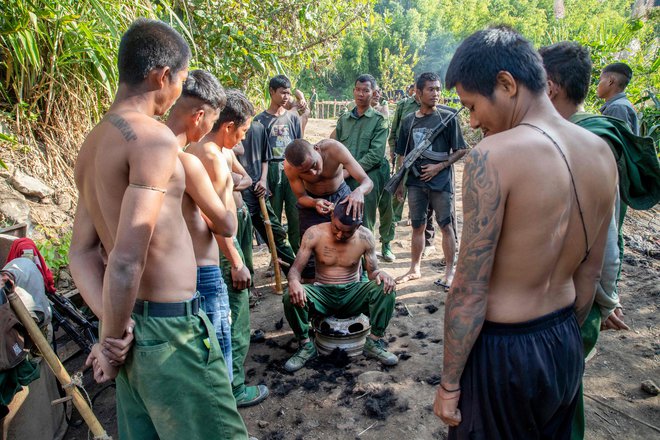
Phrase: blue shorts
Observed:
(419, 200)
(215, 302)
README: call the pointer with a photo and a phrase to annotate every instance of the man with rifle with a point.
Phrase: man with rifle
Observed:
(429, 171)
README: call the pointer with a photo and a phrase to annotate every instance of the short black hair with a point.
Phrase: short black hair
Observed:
(297, 151)
(568, 64)
(622, 71)
(365, 77)
(345, 219)
(205, 87)
(147, 45)
(238, 109)
(484, 54)
(427, 77)
(279, 81)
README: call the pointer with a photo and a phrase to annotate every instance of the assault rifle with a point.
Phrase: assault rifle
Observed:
(394, 182)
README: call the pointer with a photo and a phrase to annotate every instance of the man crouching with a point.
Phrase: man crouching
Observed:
(338, 247)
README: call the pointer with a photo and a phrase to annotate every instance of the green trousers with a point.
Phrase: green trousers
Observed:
(244, 236)
(378, 200)
(342, 301)
(397, 207)
(173, 385)
(239, 303)
(623, 208)
(590, 330)
(283, 198)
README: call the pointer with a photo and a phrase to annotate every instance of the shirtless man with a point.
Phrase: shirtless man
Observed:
(130, 185)
(214, 152)
(316, 176)
(338, 247)
(190, 119)
(535, 224)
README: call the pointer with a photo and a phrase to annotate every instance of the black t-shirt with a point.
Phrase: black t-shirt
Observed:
(257, 150)
(281, 130)
(413, 131)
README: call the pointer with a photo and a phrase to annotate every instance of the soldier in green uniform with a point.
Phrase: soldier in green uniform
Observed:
(364, 132)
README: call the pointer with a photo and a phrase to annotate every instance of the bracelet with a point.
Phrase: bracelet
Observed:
(449, 391)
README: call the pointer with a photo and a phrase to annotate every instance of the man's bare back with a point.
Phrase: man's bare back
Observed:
(120, 167)
(542, 241)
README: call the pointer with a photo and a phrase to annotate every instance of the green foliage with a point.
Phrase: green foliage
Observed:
(396, 69)
(55, 251)
(649, 123)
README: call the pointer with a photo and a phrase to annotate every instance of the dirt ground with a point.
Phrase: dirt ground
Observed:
(333, 399)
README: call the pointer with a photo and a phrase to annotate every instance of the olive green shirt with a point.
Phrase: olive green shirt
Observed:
(403, 109)
(364, 136)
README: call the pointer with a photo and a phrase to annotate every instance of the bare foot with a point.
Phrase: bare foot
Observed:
(409, 276)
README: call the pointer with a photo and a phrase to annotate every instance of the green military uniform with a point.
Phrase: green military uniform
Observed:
(403, 108)
(365, 137)
(341, 300)
(239, 303)
(283, 199)
(174, 383)
(244, 236)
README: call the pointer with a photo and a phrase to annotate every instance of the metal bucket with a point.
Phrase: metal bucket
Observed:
(348, 334)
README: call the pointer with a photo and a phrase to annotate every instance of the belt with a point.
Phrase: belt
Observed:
(166, 310)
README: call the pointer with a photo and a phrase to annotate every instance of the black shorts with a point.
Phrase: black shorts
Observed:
(521, 380)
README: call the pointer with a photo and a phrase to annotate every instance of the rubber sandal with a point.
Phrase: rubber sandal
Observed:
(442, 283)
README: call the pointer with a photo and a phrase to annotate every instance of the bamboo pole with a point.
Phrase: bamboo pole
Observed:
(271, 245)
(54, 363)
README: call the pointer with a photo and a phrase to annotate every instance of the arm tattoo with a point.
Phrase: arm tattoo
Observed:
(465, 309)
(123, 126)
(371, 262)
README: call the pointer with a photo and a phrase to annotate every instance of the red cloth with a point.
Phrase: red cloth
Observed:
(23, 244)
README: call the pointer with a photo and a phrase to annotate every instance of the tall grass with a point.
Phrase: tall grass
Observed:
(58, 75)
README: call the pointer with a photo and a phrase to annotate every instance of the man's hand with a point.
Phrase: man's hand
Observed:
(260, 188)
(103, 371)
(615, 321)
(324, 207)
(116, 350)
(240, 277)
(386, 280)
(431, 170)
(399, 193)
(297, 294)
(446, 407)
(355, 203)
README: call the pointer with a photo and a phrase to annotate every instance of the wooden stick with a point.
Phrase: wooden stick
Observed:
(595, 399)
(271, 246)
(54, 363)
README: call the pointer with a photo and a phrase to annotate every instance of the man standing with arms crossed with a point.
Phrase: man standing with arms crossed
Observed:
(130, 185)
(532, 247)
(364, 132)
(430, 183)
(282, 127)
(214, 153)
